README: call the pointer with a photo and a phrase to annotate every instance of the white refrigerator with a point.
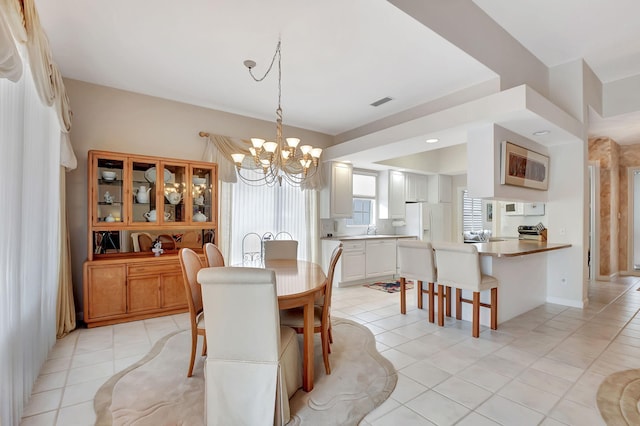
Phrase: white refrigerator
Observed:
(429, 222)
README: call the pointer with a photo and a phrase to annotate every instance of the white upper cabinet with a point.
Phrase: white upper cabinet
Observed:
(336, 198)
(439, 189)
(416, 187)
(391, 194)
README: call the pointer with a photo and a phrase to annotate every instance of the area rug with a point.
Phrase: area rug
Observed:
(390, 286)
(618, 397)
(156, 391)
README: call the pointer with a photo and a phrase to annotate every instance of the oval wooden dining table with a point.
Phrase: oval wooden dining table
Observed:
(299, 283)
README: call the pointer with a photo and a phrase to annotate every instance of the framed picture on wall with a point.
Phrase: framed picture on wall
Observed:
(523, 167)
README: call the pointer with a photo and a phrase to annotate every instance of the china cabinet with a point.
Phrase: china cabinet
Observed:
(135, 202)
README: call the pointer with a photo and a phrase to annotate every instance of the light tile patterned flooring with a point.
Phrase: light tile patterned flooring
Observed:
(541, 368)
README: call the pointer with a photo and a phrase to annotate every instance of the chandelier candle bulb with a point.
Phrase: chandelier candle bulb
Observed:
(293, 142)
(257, 143)
(270, 147)
(237, 158)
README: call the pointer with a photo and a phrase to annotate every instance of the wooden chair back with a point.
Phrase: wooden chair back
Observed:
(191, 265)
(213, 255)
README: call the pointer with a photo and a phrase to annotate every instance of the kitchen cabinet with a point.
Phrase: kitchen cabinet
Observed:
(353, 261)
(534, 209)
(416, 187)
(439, 190)
(336, 198)
(380, 258)
(391, 190)
(365, 259)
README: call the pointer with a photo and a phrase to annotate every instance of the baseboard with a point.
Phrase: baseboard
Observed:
(568, 302)
(366, 281)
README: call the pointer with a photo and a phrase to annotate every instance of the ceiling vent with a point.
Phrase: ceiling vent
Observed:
(381, 101)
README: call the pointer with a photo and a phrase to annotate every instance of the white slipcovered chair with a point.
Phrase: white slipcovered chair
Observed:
(459, 266)
(254, 365)
(280, 249)
(416, 262)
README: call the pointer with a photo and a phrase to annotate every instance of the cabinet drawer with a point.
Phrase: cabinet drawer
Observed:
(353, 246)
(150, 268)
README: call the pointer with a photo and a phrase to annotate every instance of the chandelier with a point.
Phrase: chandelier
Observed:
(272, 161)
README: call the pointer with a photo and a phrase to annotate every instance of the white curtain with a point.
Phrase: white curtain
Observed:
(274, 209)
(29, 169)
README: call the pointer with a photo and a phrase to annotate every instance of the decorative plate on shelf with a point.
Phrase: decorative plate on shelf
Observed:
(150, 175)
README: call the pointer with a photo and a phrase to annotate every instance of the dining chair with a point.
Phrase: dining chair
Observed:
(458, 266)
(145, 242)
(167, 241)
(280, 250)
(254, 365)
(283, 235)
(416, 262)
(322, 313)
(191, 264)
(213, 255)
(251, 247)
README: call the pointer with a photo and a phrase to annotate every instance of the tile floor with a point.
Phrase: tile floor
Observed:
(541, 368)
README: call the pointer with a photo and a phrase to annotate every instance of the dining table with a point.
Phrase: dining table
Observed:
(299, 283)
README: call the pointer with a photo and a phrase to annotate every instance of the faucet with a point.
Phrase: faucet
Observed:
(372, 230)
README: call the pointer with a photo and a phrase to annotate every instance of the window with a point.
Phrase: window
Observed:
(364, 199)
(263, 209)
(471, 212)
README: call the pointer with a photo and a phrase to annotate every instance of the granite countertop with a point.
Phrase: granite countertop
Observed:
(511, 247)
(365, 237)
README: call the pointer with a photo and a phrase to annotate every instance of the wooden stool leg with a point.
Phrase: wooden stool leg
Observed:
(458, 304)
(403, 296)
(419, 286)
(494, 308)
(448, 308)
(476, 314)
(440, 305)
(432, 306)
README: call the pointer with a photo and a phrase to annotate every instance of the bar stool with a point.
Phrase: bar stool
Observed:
(459, 266)
(415, 259)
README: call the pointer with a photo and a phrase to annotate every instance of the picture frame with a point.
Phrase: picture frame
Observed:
(523, 167)
(490, 212)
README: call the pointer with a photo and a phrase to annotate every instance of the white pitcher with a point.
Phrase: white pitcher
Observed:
(142, 194)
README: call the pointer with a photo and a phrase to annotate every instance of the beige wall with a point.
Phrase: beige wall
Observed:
(116, 120)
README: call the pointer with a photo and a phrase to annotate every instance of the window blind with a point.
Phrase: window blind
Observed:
(471, 213)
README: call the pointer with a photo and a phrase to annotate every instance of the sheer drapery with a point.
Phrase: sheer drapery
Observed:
(29, 167)
(273, 209)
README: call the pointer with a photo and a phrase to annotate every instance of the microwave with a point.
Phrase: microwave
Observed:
(514, 209)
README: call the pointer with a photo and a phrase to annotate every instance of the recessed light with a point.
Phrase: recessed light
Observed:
(541, 133)
(432, 140)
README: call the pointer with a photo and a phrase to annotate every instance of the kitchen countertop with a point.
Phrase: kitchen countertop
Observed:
(365, 237)
(511, 248)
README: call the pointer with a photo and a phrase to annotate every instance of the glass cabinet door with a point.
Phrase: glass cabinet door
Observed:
(203, 194)
(144, 175)
(108, 195)
(174, 194)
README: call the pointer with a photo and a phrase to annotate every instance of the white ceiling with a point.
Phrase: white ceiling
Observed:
(338, 56)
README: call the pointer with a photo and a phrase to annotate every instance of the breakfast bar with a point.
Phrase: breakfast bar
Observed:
(521, 268)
